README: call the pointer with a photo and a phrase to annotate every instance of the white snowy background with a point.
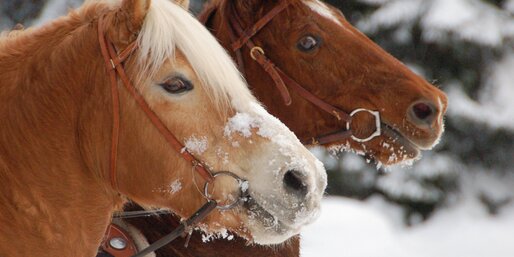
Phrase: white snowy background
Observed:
(467, 189)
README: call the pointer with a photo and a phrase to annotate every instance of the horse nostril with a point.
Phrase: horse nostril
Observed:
(293, 182)
(422, 110)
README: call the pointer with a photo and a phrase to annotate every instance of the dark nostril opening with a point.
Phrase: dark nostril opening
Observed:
(422, 111)
(293, 181)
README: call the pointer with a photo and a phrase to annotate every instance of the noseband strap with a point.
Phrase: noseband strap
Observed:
(114, 64)
(284, 82)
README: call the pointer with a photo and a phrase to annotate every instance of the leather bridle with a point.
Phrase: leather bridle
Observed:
(243, 37)
(114, 63)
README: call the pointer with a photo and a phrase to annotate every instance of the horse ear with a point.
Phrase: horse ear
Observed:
(129, 20)
(135, 10)
(183, 3)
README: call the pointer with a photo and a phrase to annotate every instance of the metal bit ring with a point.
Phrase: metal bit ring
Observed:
(376, 133)
(242, 190)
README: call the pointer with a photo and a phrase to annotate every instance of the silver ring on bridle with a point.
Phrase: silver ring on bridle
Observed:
(243, 190)
(376, 133)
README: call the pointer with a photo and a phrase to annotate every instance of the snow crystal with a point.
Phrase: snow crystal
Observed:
(336, 149)
(244, 186)
(196, 145)
(222, 234)
(175, 186)
(222, 155)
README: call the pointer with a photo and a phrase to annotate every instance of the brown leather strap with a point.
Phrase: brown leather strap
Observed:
(328, 138)
(334, 111)
(114, 63)
(259, 56)
(115, 233)
(246, 35)
(257, 53)
(115, 106)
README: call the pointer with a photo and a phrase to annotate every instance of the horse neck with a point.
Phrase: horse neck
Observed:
(51, 171)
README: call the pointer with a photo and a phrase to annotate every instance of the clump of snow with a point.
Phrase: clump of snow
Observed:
(175, 186)
(195, 144)
(241, 123)
(244, 186)
(221, 234)
(334, 150)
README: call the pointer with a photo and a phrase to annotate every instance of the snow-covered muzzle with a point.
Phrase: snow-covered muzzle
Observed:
(285, 181)
(285, 184)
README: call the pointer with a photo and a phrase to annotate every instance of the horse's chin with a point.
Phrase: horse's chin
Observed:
(398, 147)
(265, 228)
(390, 148)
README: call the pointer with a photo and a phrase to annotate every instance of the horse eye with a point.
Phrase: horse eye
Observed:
(307, 43)
(176, 85)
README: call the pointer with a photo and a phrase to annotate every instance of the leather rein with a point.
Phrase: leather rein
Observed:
(117, 242)
(243, 38)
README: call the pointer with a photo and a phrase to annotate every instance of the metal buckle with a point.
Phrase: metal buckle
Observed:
(258, 49)
(378, 130)
(242, 190)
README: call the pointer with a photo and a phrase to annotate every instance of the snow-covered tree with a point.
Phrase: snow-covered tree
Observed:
(467, 48)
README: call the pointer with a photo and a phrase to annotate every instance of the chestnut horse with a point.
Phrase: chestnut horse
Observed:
(85, 128)
(314, 45)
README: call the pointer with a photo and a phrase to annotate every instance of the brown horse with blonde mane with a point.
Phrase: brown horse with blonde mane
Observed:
(283, 46)
(136, 100)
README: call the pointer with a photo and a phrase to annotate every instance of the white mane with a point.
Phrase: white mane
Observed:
(168, 26)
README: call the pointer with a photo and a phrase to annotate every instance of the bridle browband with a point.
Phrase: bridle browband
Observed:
(283, 82)
(114, 63)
